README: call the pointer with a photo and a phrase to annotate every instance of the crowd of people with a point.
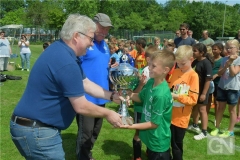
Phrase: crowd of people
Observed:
(179, 79)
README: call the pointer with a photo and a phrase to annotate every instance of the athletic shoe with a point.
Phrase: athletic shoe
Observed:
(214, 132)
(196, 129)
(200, 136)
(226, 134)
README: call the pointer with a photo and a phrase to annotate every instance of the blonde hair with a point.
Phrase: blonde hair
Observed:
(209, 50)
(150, 51)
(111, 45)
(234, 42)
(165, 57)
(156, 39)
(184, 51)
(171, 43)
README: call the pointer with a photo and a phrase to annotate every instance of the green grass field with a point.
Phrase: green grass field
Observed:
(112, 144)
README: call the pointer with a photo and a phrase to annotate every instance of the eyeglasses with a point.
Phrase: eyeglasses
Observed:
(230, 48)
(182, 29)
(91, 38)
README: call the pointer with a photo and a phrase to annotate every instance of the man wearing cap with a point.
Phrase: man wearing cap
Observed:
(5, 51)
(96, 59)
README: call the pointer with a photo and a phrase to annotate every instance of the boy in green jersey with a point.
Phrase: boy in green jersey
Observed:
(157, 102)
(144, 76)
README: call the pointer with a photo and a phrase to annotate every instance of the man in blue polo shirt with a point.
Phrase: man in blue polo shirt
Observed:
(95, 66)
(55, 93)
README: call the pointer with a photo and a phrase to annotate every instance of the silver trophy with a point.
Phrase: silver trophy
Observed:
(124, 77)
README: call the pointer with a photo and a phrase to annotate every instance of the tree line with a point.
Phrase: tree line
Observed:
(133, 15)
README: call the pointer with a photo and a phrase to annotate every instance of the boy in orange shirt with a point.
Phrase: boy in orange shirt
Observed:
(184, 85)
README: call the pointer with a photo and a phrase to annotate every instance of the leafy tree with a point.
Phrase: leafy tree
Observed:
(14, 17)
(175, 18)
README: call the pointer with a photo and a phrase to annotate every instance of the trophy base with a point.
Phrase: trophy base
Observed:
(127, 120)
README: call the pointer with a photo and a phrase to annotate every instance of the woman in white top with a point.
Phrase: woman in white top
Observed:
(25, 52)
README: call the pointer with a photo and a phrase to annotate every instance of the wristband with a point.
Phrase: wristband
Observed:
(111, 97)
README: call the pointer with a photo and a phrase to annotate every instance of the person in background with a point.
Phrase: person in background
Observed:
(171, 46)
(25, 52)
(217, 50)
(206, 40)
(140, 60)
(114, 58)
(184, 87)
(126, 57)
(133, 51)
(60, 85)
(203, 67)
(45, 45)
(157, 43)
(5, 51)
(184, 39)
(96, 59)
(228, 88)
(177, 33)
(156, 99)
(190, 33)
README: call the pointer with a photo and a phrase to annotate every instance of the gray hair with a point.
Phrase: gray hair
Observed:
(76, 23)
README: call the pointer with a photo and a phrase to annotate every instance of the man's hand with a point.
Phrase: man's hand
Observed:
(114, 119)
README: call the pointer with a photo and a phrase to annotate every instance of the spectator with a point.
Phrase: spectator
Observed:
(228, 88)
(5, 51)
(177, 33)
(45, 45)
(133, 51)
(96, 58)
(190, 33)
(184, 39)
(203, 66)
(206, 40)
(140, 60)
(157, 43)
(55, 93)
(25, 52)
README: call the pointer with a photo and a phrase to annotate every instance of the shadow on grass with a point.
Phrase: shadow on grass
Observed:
(69, 145)
(116, 148)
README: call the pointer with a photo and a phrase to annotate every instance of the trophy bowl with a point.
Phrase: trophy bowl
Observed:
(124, 77)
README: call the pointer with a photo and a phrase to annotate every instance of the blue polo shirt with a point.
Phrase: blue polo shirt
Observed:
(54, 78)
(95, 66)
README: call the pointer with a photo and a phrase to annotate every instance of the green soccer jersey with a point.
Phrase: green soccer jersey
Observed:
(157, 108)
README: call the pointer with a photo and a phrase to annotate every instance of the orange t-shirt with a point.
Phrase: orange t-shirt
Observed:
(140, 61)
(187, 86)
(133, 53)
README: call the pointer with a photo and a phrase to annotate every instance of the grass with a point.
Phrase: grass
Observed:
(112, 144)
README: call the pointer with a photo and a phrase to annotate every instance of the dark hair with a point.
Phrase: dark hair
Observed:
(221, 47)
(142, 42)
(132, 42)
(203, 49)
(45, 45)
(23, 36)
(185, 25)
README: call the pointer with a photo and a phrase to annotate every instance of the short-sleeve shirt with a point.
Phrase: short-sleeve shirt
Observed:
(204, 71)
(228, 82)
(24, 48)
(95, 66)
(206, 42)
(215, 69)
(188, 41)
(55, 76)
(4, 48)
(157, 108)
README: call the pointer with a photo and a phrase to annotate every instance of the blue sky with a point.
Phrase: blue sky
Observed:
(229, 2)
